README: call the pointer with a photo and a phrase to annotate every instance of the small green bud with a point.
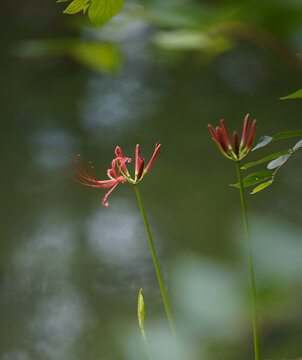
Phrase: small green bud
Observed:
(141, 310)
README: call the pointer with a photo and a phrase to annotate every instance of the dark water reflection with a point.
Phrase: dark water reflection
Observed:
(70, 269)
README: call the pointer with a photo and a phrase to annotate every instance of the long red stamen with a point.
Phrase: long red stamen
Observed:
(235, 142)
(153, 158)
(91, 167)
(82, 167)
(251, 136)
(221, 140)
(225, 133)
(246, 123)
(71, 177)
(81, 176)
(99, 184)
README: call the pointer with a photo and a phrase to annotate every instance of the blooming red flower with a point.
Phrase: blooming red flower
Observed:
(118, 173)
(236, 151)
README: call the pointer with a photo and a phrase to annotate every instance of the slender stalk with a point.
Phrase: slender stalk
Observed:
(146, 344)
(250, 265)
(159, 277)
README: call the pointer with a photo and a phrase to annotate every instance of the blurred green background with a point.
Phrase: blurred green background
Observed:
(70, 269)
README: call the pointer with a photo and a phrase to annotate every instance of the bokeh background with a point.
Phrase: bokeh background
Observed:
(70, 269)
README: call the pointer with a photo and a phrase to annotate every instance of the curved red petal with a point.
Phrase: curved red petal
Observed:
(105, 202)
(153, 158)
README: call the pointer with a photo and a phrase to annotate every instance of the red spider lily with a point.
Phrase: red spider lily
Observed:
(236, 151)
(118, 173)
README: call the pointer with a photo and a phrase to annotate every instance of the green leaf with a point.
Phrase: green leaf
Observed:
(255, 178)
(287, 134)
(299, 144)
(264, 140)
(76, 6)
(261, 186)
(295, 95)
(266, 158)
(101, 11)
(277, 162)
(59, 1)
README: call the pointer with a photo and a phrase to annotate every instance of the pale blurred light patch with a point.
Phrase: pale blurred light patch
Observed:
(116, 103)
(117, 238)
(15, 354)
(57, 325)
(42, 262)
(242, 71)
(118, 235)
(52, 145)
(277, 249)
(160, 340)
(208, 299)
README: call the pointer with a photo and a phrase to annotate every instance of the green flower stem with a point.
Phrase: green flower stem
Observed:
(159, 277)
(146, 344)
(250, 265)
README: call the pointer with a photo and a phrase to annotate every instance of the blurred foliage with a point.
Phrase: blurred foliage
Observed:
(99, 56)
(204, 28)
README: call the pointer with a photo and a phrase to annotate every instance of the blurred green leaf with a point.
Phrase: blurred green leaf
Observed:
(184, 40)
(76, 6)
(277, 162)
(101, 11)
(104, 57)
(298, 144)
(254, 178)
(264, 140)
(295, 95)
(261, 187)
(266, 158)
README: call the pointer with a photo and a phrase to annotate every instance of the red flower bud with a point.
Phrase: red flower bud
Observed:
(213, 133)
(246, 122)
(235, 142)
(252, 134)
(137, 158)
(221, 140)
(225, 133)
